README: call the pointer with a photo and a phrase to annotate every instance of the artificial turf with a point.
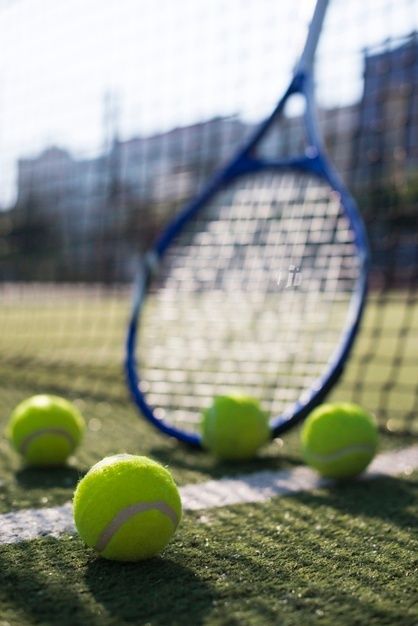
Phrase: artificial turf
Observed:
(341, 555)
(345, 555)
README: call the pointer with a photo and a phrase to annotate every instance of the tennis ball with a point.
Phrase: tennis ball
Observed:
(339, 440)
(45, 430)
(234, 427)
(127, 507)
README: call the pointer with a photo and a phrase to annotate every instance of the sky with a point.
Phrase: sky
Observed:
(166, 63)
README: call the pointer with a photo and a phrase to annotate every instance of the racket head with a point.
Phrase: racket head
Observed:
(258, 287)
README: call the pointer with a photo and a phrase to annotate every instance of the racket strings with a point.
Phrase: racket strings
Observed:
(252, 295)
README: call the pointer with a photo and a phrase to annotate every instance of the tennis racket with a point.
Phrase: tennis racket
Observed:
(257, 285)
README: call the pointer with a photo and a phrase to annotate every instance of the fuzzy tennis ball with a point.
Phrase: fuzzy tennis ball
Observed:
(339, 440)
(127, 507)
(45, 430)
(234, 427)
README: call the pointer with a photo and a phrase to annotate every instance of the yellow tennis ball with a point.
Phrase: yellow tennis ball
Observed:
(127, 507)
(45, 430)
(234, 427)
(339, 440)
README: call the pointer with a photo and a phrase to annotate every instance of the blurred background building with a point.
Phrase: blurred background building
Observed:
(89, 219)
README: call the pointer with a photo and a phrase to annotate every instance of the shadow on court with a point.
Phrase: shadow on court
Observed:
(388, 499)
(60, 582)
(182, 458)
(34, 478)
(158, 591)
(38, 584)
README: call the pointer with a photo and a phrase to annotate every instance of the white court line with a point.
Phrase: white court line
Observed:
(257, 487)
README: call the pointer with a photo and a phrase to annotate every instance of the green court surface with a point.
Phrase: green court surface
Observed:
(342, 554)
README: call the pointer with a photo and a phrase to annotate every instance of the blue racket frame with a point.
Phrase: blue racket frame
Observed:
(246, 162)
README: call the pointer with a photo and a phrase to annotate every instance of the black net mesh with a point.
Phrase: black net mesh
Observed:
(112, 115)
